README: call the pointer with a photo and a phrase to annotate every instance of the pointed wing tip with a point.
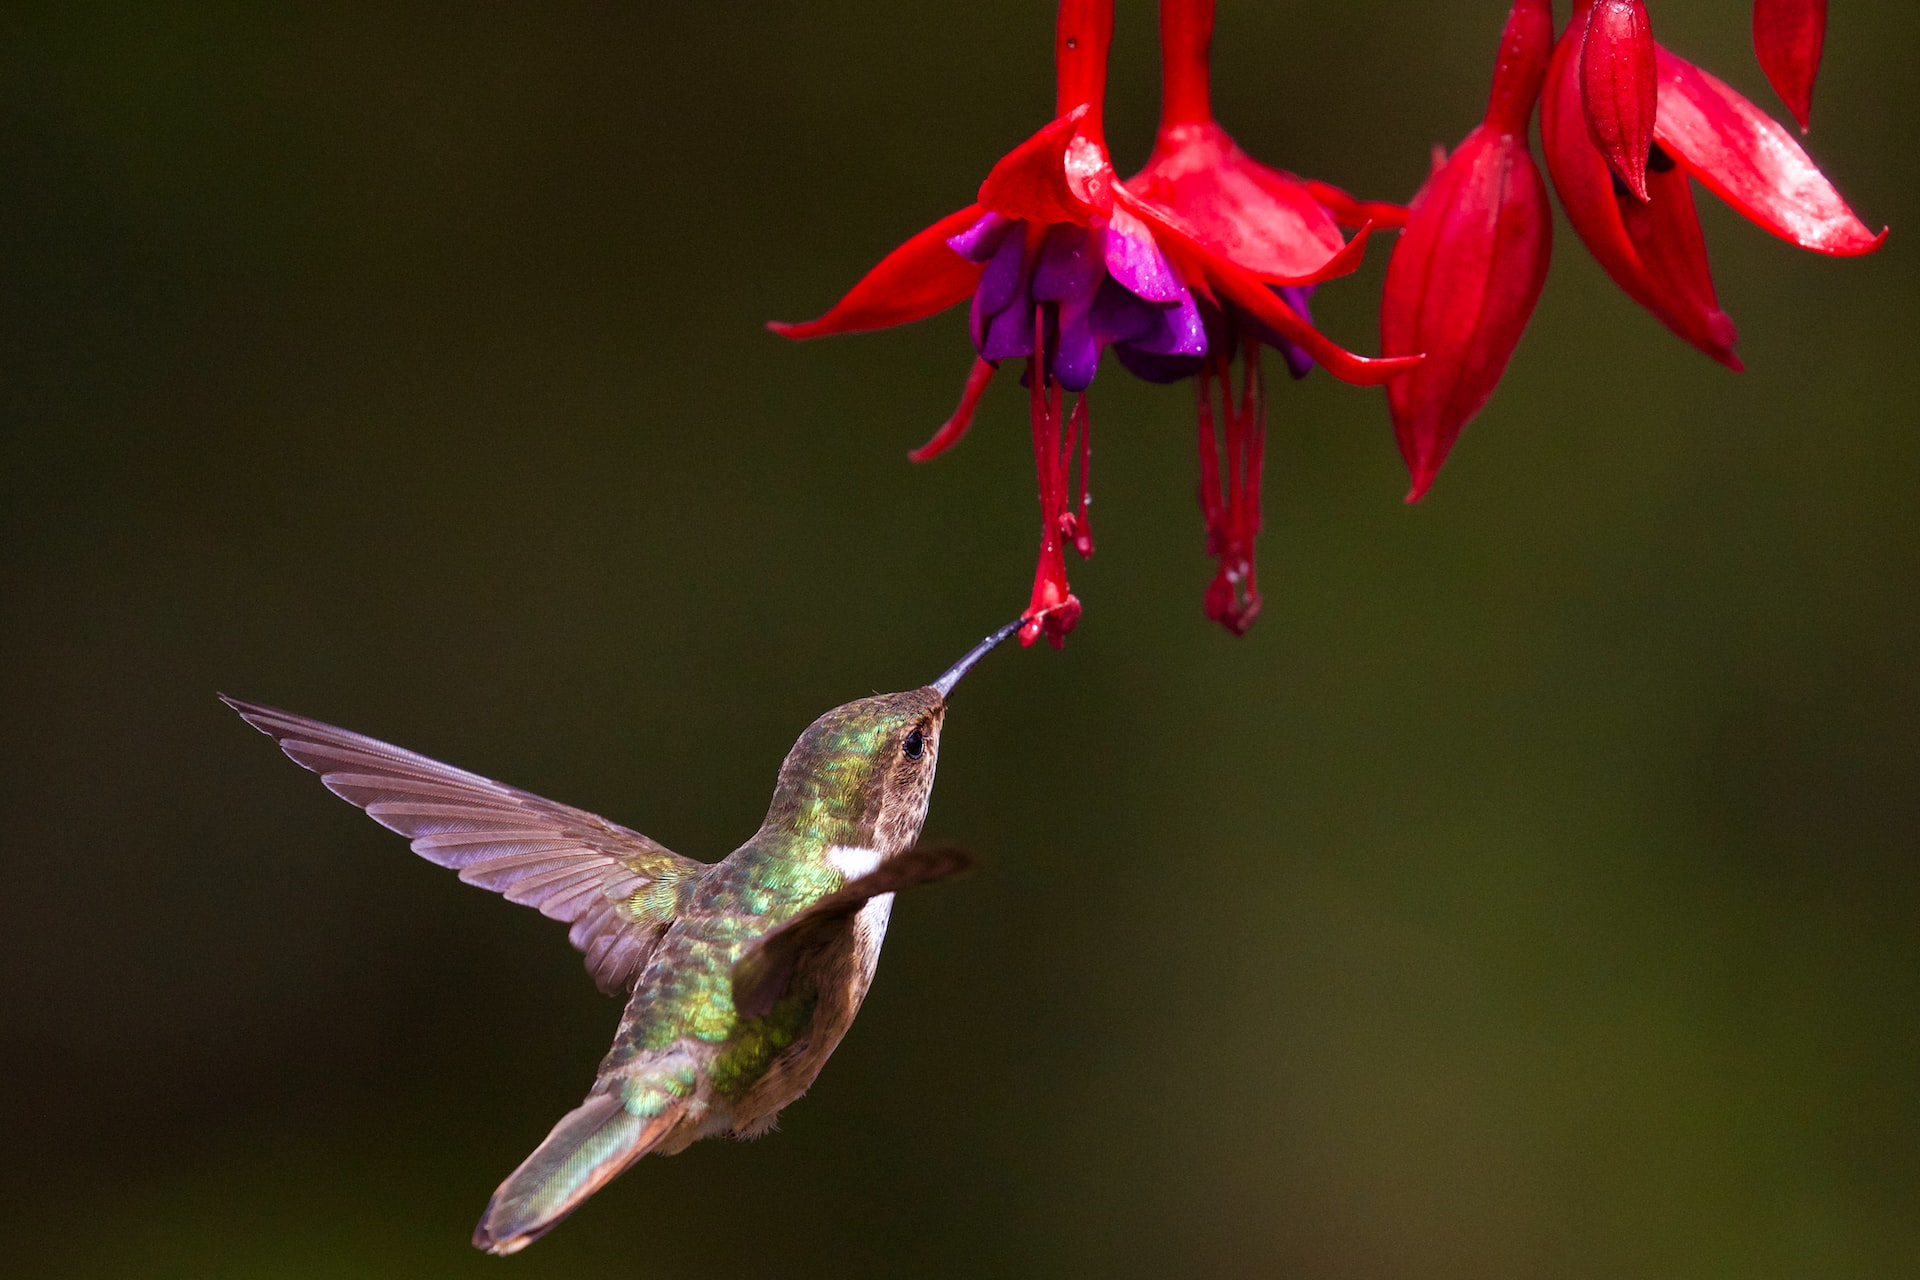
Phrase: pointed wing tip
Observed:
(254, 713)
(484, 1241)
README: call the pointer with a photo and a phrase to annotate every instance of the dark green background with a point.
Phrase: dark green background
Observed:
(1533, 893)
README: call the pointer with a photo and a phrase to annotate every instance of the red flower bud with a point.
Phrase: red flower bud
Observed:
(1702, 131)
(1469, 267)
(1617, 87)
(1788, 36)
(1657, 255)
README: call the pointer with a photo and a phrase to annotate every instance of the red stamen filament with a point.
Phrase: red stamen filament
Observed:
(1054, 608)
(1232, 509)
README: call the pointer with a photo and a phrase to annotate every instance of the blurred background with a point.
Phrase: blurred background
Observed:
(1532, 893)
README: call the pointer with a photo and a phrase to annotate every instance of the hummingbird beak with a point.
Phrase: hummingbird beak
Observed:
(944, 685)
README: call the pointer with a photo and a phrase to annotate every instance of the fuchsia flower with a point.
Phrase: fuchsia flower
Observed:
(1468, 270)
(1062, 262)
(1206, 193)
(1788, 36)
(1206, 255)
(1702, 130)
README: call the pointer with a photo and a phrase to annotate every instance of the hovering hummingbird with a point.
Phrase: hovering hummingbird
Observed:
(741, 975)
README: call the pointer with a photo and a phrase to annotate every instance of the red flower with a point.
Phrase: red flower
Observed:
(1061, 262)
(1704, 130)
(1617, 87)
(1788, 36)
(1469, 267)
(1215, 201)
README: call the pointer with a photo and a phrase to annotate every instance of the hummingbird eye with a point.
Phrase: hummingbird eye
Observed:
(914, 745)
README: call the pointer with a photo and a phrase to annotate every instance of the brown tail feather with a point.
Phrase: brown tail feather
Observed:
(591, 1145)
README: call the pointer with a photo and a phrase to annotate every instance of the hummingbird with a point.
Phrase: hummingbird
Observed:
(740, 976)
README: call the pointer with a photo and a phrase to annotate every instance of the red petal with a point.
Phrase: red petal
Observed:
(1031, 181)
(919, 279)
(1215, 277)
(1788, 36)
(955, 427)
(1581, 177)
(1351, 212)
(1265, 221)
(1618, 87)
(1739, 153)
(1461, 287)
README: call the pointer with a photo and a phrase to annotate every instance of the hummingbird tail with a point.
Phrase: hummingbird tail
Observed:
(592, 1145)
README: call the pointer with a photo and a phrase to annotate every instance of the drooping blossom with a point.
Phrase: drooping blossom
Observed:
(1062, 262)
(1277, 227)
(1617, 87)
(1470, 265)
(1207, 256)
(1788, 37)
(1703, 130)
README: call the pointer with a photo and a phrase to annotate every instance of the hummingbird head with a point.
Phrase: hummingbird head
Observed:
(860, 777)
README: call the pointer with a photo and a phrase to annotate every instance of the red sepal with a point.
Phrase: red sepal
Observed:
(1740, 154)
(955, 427)
(1351, 212)
(1216, 278)
(1048, 178)
(1788, 37)
(1681, 295)
(1665, 233)
(1618, 87)
(1266, 221)
(918, 279)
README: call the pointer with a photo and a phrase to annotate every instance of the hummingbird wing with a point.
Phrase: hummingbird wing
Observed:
(765, 970)
(616, 887)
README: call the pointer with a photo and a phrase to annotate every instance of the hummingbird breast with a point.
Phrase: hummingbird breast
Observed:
(841, 979)
(746, 1070)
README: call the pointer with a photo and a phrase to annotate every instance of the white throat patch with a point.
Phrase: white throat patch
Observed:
(852, 861)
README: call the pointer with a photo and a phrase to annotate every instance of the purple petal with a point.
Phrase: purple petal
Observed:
(980, 241)
(1179, 332)
(1008, 334)
(1136, 262)
(1118, 315)
(1070, 264)
(1148, 367)
(999, 285)
(1175, 345)
(1070, 272)
(1076, 356)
